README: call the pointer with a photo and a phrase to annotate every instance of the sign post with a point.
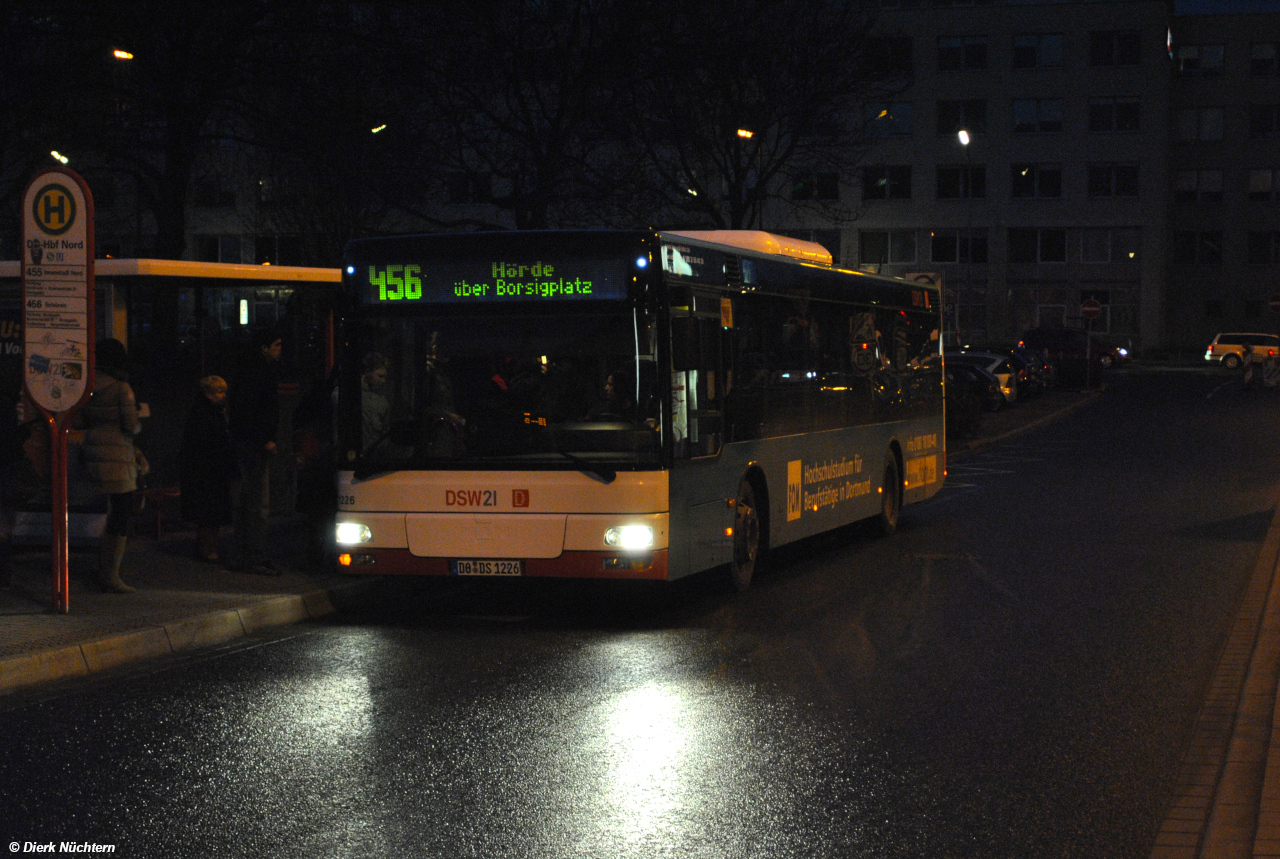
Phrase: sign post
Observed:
(1089, 309)
(57, 326)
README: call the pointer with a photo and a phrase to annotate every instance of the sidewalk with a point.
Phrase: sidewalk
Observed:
(180, 604)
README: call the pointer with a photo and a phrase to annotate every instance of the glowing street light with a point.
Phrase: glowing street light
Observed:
(121, 55)
(59, 157)
(379, 128)
(964, 137)
(745, 134)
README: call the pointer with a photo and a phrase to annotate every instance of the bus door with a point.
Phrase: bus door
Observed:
(699, 385)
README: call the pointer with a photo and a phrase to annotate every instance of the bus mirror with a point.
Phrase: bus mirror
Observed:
(684, 343)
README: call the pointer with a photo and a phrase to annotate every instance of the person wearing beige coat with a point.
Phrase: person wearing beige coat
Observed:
(110, 421)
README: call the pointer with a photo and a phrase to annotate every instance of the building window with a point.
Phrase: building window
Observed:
(277, 250)
(1264, 121)
(888, 119)
(1199, 123)
(1115, 48)
(470, 188)
(1263, 185)
(1113, 114)
(1204, 248)
(957, 183)
(1199, 60)
(1113, 180)
(1037, 180)
(881, 247)
(1264, 247)
(218, 249)
(1037, 50)
(1046, 245)
(815, 185)
(1118, 244)
(962, 53)
(1262, 59)
(886, 182)
(1031, 115)
(1198, 186)
(959, 246)
(969, 114)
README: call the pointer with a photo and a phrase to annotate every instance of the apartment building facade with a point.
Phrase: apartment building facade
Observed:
(1116, 151)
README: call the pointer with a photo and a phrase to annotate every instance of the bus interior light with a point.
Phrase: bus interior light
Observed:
(630, 537)
(351, 533)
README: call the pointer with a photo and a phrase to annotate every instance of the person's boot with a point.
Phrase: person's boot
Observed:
(110, 558)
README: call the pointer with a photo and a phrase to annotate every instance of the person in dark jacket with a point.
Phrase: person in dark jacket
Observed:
(208, 467)
(255, 418)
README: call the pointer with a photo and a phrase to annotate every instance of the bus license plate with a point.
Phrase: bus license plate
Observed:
(477, 567)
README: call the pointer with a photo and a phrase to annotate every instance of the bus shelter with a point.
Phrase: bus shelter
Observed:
(181, 321)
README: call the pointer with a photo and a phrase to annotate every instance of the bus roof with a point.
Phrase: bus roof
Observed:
(187, 268)
(760, 242)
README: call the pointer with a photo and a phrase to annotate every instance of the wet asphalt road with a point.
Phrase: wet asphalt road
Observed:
(1015, 673)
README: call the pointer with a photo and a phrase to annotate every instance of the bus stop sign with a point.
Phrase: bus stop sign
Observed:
(57, 290)
(1090, 308)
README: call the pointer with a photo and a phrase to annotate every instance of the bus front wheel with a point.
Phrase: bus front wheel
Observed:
(746, 536)
(886, 522)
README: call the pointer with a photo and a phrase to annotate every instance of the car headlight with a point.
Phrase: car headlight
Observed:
(630, 537)
(350, 533)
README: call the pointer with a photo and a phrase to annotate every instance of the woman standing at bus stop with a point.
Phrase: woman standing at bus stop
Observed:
(110, 420)
(209, 467)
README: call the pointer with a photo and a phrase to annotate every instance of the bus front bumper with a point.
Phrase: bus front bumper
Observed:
(570, 565)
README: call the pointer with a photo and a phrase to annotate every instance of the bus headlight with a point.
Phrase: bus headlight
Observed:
(350, 533)
(630, 537)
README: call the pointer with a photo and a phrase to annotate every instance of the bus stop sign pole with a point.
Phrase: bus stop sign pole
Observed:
(57, 329)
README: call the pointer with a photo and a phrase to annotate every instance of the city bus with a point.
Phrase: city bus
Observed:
(624, 404)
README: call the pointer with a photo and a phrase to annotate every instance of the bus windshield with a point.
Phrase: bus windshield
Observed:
(570, 389)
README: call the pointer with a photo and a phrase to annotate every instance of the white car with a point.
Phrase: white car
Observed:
(1228, 349)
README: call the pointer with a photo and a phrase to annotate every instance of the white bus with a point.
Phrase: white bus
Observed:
(612, 404)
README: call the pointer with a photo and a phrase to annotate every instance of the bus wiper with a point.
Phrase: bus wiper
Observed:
(605, 475)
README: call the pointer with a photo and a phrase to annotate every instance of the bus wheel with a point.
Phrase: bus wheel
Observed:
(746, 536)
(886, 522)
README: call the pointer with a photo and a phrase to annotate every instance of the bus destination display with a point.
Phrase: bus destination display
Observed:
(495, 280)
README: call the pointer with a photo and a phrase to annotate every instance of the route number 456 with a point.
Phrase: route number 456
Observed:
(397, 282)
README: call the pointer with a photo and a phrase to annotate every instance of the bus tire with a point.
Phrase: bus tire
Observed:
(747, 536)
(886, 521)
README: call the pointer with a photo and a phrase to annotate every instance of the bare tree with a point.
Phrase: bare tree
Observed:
(510, 108)
(151, 117)
(735, 101)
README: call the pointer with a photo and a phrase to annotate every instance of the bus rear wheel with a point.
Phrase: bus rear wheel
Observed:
(886, 522)
(746, 536)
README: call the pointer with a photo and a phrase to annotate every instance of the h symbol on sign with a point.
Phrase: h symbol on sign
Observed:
(51, 209)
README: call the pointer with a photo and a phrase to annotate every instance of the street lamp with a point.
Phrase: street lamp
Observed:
(966, 186)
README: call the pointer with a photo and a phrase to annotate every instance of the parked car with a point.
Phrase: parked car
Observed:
(1000, 366)
(1067, 350)
(1228, 348)
(984, 386)
(1033, 372)
(1109, 354)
